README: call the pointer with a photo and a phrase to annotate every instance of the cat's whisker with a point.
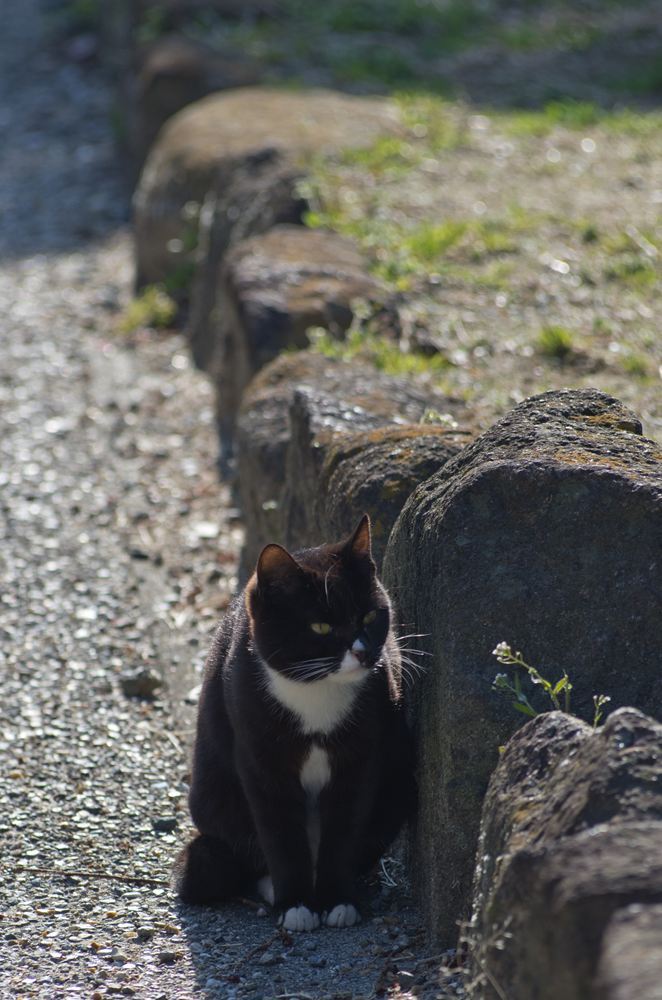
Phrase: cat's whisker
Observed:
(416, 669)
(304, 664)
(326, 582)
(309, 675)
(311, 670)
(410, 672)
(417, 652)
(406, 677)
(414, 663)
(274, 652)
(412, 635)
(311, 664)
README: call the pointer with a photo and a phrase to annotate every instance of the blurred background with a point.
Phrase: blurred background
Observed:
(517, 215)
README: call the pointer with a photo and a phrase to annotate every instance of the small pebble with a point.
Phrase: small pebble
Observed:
(269, 959)
(166, 957)
(140, 684)
(165, 824)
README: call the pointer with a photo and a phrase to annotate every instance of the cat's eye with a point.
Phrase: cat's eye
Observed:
(370, 617)
(322, 628)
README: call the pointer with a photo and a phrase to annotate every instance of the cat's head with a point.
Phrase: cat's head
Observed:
(321, 612)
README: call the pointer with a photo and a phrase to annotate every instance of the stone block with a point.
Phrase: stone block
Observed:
(546, 533)
(630, 963)
(376, 471)
(570, 843)
(241, 153)
(294, 416)
(170, 74)
(273, 288)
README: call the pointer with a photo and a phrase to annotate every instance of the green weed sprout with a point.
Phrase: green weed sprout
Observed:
(502, 682)
(557, 693)
(153, 307)
(599, 700)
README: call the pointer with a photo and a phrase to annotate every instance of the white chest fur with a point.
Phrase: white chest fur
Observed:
(314, 775)
(319, 706)
(315, 772)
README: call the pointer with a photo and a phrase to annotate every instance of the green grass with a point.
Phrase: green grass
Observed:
(578, 116)
(633, 270)
(388, 154)
(555, 342)
(153, 308)
(384, 353)
(430, 241)
(567, 113)
(401, 251)
(635, 256)
(635, 364)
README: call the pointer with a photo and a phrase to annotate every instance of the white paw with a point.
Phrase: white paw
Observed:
(299, 918)
(342, 915)
(265, 889)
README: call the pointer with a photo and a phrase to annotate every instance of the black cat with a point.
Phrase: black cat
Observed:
(303, 765)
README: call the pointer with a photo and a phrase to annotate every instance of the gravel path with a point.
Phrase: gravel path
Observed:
(118, 553)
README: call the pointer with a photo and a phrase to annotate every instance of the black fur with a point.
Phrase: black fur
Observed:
(246, 798)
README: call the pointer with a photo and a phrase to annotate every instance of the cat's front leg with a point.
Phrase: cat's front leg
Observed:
(336, 893)
(280, 818)
(344, 812)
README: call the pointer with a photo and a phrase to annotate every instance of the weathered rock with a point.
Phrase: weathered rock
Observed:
(293, 414)
(170, 74)
(272, 289)
(630, 962)
(262, 194)
(143, 683)
(263, 434)
(376, 471)
(252, 139)
(571, 835)
(323, 413)
(545, 532)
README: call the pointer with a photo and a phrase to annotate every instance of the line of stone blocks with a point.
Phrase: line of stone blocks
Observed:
(545, 532)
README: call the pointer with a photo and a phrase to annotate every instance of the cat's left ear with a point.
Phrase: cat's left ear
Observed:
(360, 542)
(277, 568)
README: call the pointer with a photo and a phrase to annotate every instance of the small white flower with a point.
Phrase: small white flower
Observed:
(502, 649)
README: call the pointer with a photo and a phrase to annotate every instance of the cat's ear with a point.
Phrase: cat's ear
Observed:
(276, 567)
(359, 542)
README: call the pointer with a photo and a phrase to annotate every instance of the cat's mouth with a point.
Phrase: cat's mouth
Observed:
(353, 667)
(350, 663)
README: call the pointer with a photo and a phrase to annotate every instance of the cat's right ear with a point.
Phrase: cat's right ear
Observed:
(276, 568)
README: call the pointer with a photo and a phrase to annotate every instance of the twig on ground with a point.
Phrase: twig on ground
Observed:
(294, 996)
(262, 947)
(75, 873)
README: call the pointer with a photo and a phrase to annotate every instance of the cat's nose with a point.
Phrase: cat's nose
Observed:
(359, 651)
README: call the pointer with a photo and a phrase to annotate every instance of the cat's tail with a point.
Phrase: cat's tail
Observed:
(208, 871)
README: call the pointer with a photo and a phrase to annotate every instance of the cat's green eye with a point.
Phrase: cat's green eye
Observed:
(370, 617)
(322, 628)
